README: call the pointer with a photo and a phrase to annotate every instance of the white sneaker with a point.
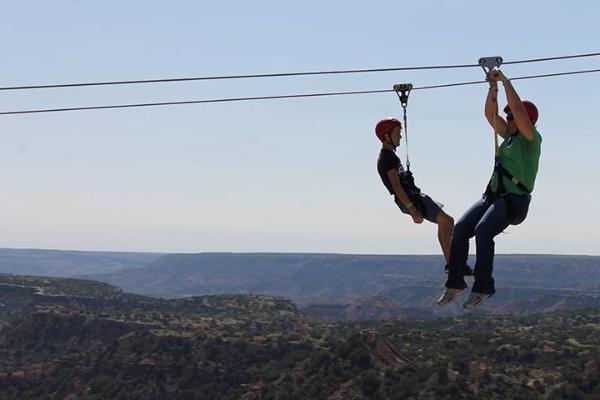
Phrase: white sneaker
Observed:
(448, 296)
(476, 299)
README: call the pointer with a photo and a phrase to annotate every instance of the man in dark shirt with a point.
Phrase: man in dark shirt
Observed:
(400, 184)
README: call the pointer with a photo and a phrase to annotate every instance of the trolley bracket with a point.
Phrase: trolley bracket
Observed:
(403, 90)
(489, 63)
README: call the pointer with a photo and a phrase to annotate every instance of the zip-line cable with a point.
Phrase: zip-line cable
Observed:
(284, 74)
(290, 96)
(174, 103)
(224, 77)
(512, 79)
(533, 60)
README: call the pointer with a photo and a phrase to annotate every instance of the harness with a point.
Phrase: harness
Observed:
(502, 173)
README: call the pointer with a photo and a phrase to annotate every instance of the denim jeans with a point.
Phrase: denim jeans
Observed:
(484, 220)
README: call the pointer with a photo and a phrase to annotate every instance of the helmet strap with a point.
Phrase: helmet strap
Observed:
(387, 139)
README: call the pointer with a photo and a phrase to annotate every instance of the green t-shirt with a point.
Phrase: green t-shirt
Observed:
(520, 157)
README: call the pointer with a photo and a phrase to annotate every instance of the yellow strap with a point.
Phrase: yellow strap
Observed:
(495, 101)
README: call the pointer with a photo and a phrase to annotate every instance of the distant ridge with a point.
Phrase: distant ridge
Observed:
(334, 286)
(339, 279)
(70, 263)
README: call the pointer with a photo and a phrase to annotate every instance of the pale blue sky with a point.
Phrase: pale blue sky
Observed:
(284, 175)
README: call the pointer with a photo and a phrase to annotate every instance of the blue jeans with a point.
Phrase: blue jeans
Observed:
(484, 220)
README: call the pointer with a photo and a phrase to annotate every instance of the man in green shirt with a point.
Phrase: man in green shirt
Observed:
(506, 199)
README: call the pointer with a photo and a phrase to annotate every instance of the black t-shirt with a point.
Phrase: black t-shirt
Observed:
(387, 161)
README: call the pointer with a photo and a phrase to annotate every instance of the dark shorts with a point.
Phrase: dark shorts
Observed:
(431, 207)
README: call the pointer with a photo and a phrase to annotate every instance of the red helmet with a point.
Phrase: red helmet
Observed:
(531, 109)
(385, 126)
